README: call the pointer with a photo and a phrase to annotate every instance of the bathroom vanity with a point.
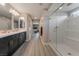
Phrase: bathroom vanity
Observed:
(11, 40)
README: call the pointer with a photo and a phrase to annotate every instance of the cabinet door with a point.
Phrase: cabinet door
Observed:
(14, 41)
(13, 44)
(3, 46)
(22, 37)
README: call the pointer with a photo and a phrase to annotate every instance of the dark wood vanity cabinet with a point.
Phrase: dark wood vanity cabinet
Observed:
(13, 43)
(4, 46)
(22, 37)
(9, 44)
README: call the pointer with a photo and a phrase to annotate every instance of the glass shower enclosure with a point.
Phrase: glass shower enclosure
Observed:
(64, 34)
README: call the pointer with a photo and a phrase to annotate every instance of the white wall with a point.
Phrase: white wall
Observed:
(41, 24)
(29, 28)
(44, 24)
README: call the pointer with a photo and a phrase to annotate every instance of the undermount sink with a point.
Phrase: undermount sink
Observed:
(3, 31)
(6, 31)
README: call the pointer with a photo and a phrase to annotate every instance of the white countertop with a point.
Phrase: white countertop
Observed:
(10, 32)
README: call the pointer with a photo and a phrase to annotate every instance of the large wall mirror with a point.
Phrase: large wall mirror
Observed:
(5, 18)
(16, 21)
(10, 19)
(22, 22)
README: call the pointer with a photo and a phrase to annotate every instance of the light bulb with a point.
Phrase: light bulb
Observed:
(22, 18)
(13, 12)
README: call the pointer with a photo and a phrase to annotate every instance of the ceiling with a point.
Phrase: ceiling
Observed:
(4, 12)
(67, 7)
(35, 9)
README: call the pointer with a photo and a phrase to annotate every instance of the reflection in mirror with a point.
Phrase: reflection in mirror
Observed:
(16, 18)
(5, 23)
(22, 22)
(15, 24)
(5, 18)
(9, 18)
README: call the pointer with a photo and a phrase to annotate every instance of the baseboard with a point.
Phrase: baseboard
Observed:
(57, 53)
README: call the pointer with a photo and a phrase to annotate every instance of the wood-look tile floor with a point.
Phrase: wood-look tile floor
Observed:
(34, 48)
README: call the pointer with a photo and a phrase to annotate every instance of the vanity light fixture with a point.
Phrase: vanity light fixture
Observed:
(13, 12)
(22, 18)
(10, 10)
